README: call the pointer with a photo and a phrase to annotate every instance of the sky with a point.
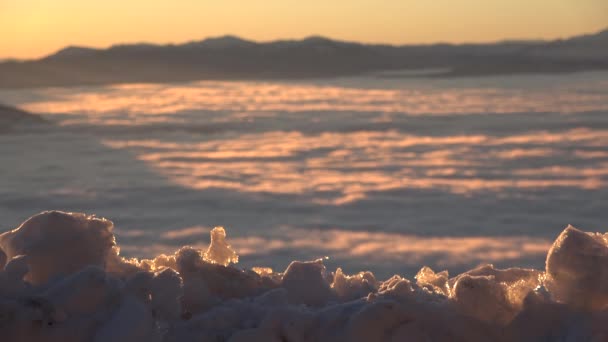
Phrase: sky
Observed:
(35, 28)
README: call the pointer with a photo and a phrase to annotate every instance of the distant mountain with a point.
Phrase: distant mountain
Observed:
(587, 47)
(73, 52)
(223, 42)
(231, 57)
(600, 37)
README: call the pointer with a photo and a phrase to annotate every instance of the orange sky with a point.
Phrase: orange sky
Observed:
(34, 28)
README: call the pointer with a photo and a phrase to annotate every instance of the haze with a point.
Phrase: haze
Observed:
(34, 28)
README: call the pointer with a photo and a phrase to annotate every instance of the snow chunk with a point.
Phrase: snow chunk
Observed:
(352, 287)
(219, 251)
(494, 295)
(11, 280)
(131, 322)
(58, 243)
(436, 282)
(306, 283)
(87, 291)
(577, 269)
(207, 284)
(3, 259)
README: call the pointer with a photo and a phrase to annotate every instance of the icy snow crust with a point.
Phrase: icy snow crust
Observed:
(63, 280)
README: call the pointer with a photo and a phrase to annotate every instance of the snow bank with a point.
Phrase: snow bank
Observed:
(62, 279)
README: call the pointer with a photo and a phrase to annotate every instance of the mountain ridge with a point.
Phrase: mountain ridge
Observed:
(230, 41)
(231, 57)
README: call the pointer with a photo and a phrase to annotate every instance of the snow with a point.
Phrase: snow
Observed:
(577, 269)
(219, 251)
(63, 280)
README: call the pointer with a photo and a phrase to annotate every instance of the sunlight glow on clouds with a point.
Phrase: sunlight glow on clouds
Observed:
(113, 102)
(330, 164)
(342, 167)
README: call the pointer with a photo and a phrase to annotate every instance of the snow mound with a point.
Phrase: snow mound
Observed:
(62, 279)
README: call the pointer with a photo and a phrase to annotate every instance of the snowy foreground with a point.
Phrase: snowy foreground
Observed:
(63, 280)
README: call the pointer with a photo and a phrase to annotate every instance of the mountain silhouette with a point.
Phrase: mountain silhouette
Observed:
(230, 57)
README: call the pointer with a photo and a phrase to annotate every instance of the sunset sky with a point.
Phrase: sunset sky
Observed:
(34, 28)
